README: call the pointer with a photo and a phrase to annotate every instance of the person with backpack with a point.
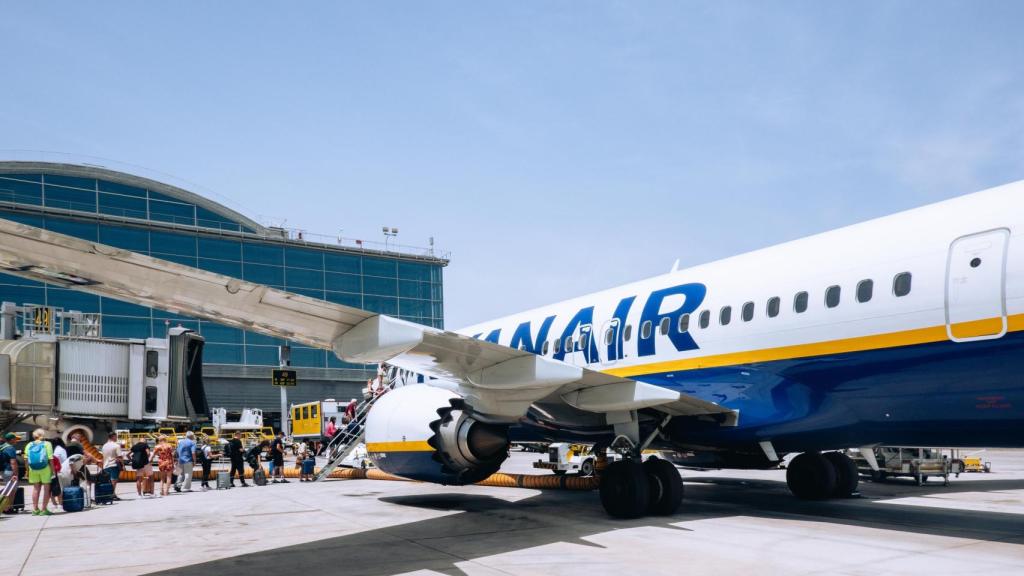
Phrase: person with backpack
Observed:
(236, 454)
(253, 458)
(204, 456)
(141, 464)
(9, 458)
(38, 454)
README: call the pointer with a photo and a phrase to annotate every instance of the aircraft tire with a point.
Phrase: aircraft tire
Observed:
(847, 476)
(666, 487)
(625, 490)
(811, 477)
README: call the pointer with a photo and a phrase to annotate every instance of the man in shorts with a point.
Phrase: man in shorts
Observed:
(112, 460)
(277, 457)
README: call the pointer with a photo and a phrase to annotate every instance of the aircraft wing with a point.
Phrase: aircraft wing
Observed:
(496, 380)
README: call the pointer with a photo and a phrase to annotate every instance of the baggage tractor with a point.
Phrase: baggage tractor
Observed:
(259, 477)
(73, 498)
(105, 493)
(223, 480)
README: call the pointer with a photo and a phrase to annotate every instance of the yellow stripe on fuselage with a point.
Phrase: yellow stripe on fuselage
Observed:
(404, 446)
(845, 345)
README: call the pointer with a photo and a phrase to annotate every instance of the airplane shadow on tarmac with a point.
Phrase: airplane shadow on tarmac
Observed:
(487, 526)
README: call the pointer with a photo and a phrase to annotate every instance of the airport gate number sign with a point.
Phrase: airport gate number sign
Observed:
(284, 378)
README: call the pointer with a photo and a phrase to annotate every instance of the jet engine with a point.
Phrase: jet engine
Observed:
(425, 433)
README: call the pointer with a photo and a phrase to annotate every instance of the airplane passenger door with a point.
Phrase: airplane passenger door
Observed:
(976, 286)
(608, 348)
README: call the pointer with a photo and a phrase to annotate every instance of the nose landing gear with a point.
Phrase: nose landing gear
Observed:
(815, 476)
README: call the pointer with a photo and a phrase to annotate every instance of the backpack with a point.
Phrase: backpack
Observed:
(201, 455)
(37, 458)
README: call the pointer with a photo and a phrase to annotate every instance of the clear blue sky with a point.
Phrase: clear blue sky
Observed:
(554, 148)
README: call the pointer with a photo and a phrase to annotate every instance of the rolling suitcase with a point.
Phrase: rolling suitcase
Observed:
(105, 493)
(73, 498)
(223, 480)
(7, 495)
(147, 485)
(17, 501)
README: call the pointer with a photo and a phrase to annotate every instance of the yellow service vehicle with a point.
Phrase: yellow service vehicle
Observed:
(309, 420)
(564, 457)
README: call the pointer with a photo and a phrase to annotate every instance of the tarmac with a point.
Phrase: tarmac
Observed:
(732, 522)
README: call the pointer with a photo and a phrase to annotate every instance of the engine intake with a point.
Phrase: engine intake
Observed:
(426, 433)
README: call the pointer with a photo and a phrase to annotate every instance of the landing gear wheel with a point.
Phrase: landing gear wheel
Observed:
(811, 477)
(587, 468)
(847, 476)
(666, 487)
(625, 491)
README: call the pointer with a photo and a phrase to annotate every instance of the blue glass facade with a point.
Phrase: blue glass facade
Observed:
(173, 228)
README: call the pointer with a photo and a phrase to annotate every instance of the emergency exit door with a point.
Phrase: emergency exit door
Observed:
(975, 286)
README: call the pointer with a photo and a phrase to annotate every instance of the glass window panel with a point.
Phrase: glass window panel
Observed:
(335, 262)
(419, 308)
(70, 198)
(353, 300)
(119, 308)
(220, 249)
(343, 282)
(83, 230)
(133, 239)
(832, 294)
(800, 302)
(380, 304)
(164, 315)
(21, 192)
(233, 269)
(261, 356)
(705, 319)
(121, 327)
(30, 219)
(664, 326)
(72, 300)
(414, 271)
(122, 189)
(438, 311)
(168, 243)
(70, 181)
(23, 294)
(183, 260)
(379, 267)
(684, 323)
(214, 332)
(25, 177)
(901, 284)
(865, 289)
(270, 275)
(413, 289)
(725, 315)
(172, 212)
(748, 312)
(259, 253)
(216, 353)
(645, 330)
(261, 340)
(302, 278)
(160, 327)
(381, 286)
(308, 357)
(126, 206)
(303, 258)
(318, 294)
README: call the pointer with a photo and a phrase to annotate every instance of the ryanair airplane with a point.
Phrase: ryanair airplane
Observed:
(904, 330)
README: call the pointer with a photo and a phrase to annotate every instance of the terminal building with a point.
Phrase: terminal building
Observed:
(169, 222)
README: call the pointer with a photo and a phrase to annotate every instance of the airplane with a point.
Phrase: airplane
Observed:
(903, 330)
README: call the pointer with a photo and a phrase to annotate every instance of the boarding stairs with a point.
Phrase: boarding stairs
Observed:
(349, 436)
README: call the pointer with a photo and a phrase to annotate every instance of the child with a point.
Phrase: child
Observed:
(308, 465)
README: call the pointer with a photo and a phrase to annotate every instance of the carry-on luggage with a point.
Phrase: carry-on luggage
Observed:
(105, 493)
(259, 477)
(7, 494)
(16, 501)
(73, 498)
(148, 485)
(223, 480)
(308, 466)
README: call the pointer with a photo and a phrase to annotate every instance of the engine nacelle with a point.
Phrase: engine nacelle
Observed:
(423, 433)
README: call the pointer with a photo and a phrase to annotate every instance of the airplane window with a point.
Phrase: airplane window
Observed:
(684, 322)
(901, 284)
(522, 347)
(748, 312)
(665, 323)
(705, 319)
(568, 344)
(773, 306)
(864, 290)
(584, 338)
(628, 332)
(608, 335)
(645, 330)
(800, 302)
(544, 348)
(832, 296)
(558, 345)
(725, 315)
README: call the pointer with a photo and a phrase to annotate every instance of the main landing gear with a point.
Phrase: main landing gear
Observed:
(630, 488)
(816, 476)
